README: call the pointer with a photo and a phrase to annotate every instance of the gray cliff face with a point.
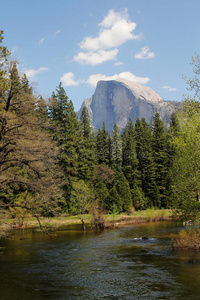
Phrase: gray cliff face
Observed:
(116, 101)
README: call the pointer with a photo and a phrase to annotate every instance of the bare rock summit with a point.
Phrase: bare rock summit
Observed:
(116, 101)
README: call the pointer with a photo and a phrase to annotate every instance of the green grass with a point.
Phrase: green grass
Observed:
(136, 217)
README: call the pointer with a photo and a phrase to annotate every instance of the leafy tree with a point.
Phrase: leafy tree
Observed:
(81, 199)
(27, 169)
(186, 167)
(4, 55)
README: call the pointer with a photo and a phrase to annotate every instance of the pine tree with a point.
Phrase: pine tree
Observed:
(87, 152)
(146, 163)
(160, 153)
(113, 199)
(116, 149)
(124, 192)
(103, 145)
(101, 192)
(129, 156)
(66, 130)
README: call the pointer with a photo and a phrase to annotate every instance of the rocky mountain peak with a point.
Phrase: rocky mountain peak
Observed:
(116, 101)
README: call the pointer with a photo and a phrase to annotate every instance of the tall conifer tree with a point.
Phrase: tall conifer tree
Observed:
(116, 149)
(87, 153)
(160, 153)
(103, 145)
(146, 164)
(129, 156)
(66, 130)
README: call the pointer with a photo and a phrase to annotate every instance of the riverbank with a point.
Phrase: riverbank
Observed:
(111, 221)
(187, 238)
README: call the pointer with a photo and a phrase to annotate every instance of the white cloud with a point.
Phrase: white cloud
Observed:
(169, 88)
(145, 53)
(57, 32)
(95, 58)
(41, 41)
(118, 63)
(113, 17)
(31, 73)
(93, 79)
(68, 79)
(116, 29)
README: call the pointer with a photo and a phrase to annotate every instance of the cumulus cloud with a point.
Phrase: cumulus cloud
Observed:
(145, 53)
(31, 73)
(95, 58)
(68, 79)
(115, 30)
(169, 88)
(93, 79)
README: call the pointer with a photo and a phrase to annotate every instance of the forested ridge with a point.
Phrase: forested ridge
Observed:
(52, 163)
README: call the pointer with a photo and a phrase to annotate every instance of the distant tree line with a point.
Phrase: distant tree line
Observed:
(52, 163)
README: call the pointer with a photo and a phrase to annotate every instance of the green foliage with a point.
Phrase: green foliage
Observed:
(113, 199)
(105, 173)
(116, 149)
(114, 211)
(28, 181)
(103, 145)
(161, 157)
(101, 192)
(146, 163)
(81, 199)
(138, 199)
(124, 192)
(87, 148)
(186, 169)
(129, 155)
(66, 131)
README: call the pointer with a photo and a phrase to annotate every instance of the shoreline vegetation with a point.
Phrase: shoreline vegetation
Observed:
(110, 220)
(187, 238)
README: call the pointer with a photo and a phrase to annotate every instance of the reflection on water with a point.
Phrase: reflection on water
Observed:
(114, 264)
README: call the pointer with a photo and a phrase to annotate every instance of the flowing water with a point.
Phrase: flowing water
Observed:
(113, 264)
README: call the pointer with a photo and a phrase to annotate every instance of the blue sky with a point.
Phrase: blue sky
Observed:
(79, 42)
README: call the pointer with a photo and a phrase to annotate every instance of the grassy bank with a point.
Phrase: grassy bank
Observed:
(111, 221)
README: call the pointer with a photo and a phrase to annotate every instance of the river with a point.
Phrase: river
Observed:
(112, 264)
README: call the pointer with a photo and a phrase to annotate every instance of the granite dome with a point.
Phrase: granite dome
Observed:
(116, 101)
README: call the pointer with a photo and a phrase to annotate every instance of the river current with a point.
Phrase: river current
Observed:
(112, 264)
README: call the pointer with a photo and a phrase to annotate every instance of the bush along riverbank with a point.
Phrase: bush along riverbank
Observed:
(187, 238)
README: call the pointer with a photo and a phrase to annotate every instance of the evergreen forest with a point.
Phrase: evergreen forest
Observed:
(52, 163)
